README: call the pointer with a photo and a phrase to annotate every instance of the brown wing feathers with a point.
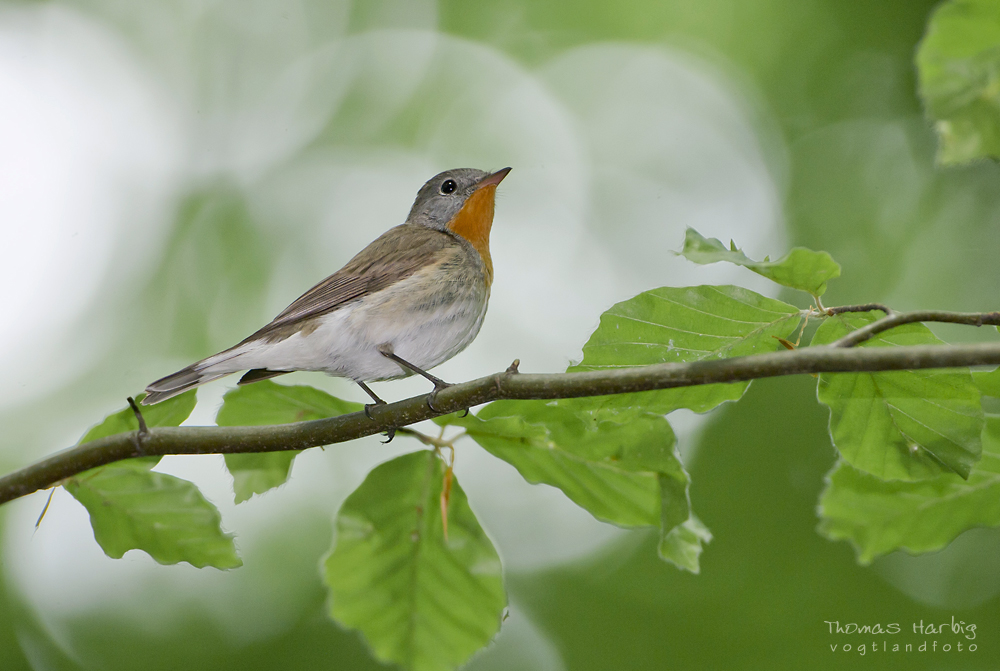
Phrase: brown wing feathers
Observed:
(395, 255)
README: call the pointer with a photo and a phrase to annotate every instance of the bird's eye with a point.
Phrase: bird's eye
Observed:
(448, 186)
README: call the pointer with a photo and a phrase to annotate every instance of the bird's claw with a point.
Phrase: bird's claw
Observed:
(389, 435)
(368, 410)
(438, 386)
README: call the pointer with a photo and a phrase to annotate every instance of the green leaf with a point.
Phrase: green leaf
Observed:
(878, 517)
(421, 601)
(625, 473)
(133, 508)
(682, 545)
(958, 63)
(258, 472)
(171, 412)
(682, 325)
(988, 382)
(607, 468)
(266, 402)
(901, 425)
(801, 268)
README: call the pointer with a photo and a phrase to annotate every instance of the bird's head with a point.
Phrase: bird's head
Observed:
(456, 194)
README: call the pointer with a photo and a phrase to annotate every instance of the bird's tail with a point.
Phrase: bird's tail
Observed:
(216, 366)
(180, 382)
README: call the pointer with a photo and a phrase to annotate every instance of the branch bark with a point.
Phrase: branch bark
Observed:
(894, 319)
(507, 385)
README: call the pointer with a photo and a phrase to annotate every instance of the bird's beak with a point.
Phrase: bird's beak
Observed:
(492, 180)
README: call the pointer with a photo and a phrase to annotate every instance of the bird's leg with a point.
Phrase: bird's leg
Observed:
(391, 433)
(439, 384)
(369, 406)
(387, 352)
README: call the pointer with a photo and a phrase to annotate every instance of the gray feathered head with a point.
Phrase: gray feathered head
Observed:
(443, 195)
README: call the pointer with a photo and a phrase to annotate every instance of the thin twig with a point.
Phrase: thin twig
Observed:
(139, 437)
(894, 319)
(143, 429)
(301, 435)
(48, 501)
(430, 441)
(865, 307)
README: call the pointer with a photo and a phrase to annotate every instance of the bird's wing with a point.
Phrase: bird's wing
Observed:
(395, 255)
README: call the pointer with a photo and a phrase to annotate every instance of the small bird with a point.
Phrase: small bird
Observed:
(409, 301)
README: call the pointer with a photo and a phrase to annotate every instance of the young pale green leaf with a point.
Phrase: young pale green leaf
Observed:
(878, 517)
(682, 545)
(269, 403)
(133, 508)
(421, 601)
(958, 64)
(901, 425)
(682, 325)
(801, 268)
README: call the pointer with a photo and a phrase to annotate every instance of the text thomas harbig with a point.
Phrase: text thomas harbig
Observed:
(955, 628)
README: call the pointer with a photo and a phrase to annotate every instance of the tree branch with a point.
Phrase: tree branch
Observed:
(866, 307)
(894, 319)
(507, 385)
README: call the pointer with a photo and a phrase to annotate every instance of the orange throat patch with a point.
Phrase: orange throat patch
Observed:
(474, 221)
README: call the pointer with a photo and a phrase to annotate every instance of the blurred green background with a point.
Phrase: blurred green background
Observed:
(173, 173)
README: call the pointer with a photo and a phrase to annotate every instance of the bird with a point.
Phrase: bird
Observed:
(409, 301)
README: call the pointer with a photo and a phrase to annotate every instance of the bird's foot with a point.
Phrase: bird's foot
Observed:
(439, 385)
(374, 397)
(389, 435)
(370, 406)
